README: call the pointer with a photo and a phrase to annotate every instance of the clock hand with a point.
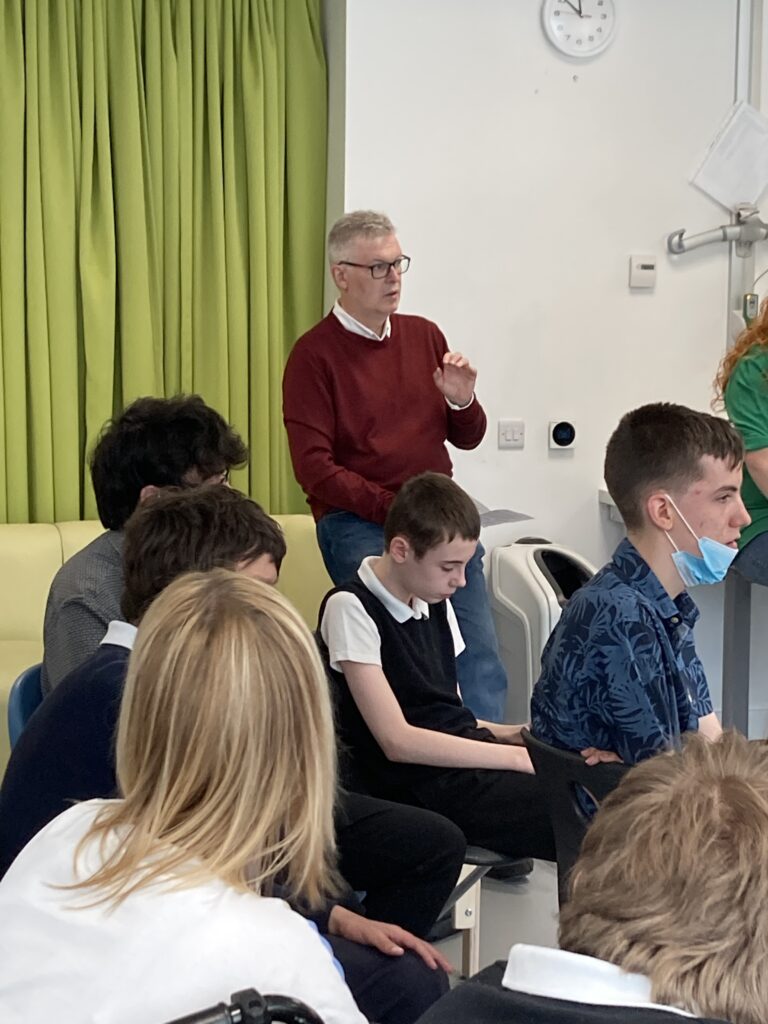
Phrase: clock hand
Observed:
(574, 8)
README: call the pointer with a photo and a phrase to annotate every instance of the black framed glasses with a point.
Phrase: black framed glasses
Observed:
(221, 477)
(379, 270)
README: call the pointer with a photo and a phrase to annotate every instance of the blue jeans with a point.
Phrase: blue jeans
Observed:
(345, 540)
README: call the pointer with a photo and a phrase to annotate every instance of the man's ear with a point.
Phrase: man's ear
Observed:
(659, 511)
(339, 275)
(399, 549)
(146, 492)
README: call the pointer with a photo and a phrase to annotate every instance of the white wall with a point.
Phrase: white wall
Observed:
(520, 183)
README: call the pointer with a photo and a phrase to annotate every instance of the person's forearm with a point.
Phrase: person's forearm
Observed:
(760, 476)
(466, 427)
(757, 464)
(426, 746)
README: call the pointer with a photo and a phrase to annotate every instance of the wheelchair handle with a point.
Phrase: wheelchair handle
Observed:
(249, 1007)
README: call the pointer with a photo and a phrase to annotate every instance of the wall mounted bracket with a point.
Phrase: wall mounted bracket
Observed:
(747, 230)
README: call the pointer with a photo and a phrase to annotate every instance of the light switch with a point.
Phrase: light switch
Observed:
(511, 434)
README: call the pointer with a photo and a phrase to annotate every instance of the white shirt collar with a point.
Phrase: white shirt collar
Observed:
(399, 610)
(557, 974)
(120, 634)
(347, 320)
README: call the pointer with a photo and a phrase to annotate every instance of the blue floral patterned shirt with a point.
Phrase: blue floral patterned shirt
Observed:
(620, 671)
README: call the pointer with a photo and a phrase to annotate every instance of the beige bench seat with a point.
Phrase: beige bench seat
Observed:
(31, 555)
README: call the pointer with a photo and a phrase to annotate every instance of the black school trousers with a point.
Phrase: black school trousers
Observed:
(388, 989)
(501, 810)
(405, 859)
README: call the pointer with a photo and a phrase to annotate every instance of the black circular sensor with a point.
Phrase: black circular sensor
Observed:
(563, 433)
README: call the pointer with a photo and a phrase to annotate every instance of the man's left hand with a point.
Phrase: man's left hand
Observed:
(456, 378)
(387, 938)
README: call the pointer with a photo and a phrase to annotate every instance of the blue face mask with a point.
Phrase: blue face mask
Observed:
(710, 567)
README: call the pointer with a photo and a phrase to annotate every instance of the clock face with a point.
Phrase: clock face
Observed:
(579, 28)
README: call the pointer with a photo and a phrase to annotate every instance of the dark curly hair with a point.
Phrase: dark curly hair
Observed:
(159, 441)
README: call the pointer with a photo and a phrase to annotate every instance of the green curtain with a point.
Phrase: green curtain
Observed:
(162, 211)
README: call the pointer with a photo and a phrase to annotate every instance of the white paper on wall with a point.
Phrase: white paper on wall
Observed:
(734, 170)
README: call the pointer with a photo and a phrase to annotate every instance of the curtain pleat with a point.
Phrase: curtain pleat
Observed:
(162, 191)
(14, 444)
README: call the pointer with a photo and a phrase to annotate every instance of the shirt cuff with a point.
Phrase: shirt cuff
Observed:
(452, 405)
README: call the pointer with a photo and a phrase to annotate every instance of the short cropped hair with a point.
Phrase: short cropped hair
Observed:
(661, 446)
(672, 881)
(177, 531)
(428, 510)
(158, 441)
(360, 224)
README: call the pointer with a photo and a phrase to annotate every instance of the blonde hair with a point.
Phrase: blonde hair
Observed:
(755, 336)
(672, 881)
(225, 748)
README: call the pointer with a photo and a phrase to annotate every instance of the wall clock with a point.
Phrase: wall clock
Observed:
(579, 28)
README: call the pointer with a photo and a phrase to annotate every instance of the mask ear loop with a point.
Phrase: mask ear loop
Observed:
(674, 546)
(687, 525)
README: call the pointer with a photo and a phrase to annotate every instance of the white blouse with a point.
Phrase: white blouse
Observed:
(157, 956)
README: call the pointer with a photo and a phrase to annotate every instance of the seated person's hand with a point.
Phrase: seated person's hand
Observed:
(510, 733)
(506, 732)
(594, 756)
(387, 938)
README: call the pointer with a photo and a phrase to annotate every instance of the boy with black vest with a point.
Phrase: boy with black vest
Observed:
(391, 640)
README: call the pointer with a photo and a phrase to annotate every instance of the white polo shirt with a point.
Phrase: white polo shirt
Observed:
(557, 974)
(350, 634)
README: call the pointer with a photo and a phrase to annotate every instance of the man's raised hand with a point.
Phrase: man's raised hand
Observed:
(456, 378)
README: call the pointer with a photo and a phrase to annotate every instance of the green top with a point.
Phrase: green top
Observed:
(746, 402)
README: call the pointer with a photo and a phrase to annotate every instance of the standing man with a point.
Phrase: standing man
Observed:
(369, 399)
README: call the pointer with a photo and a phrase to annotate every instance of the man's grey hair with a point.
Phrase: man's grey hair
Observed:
(358, 224)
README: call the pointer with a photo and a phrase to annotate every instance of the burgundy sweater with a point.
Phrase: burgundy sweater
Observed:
(364, 416)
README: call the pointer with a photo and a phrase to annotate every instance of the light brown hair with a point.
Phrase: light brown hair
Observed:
(661, 446)
(428, 510)
(672, 881)
(225, 748)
